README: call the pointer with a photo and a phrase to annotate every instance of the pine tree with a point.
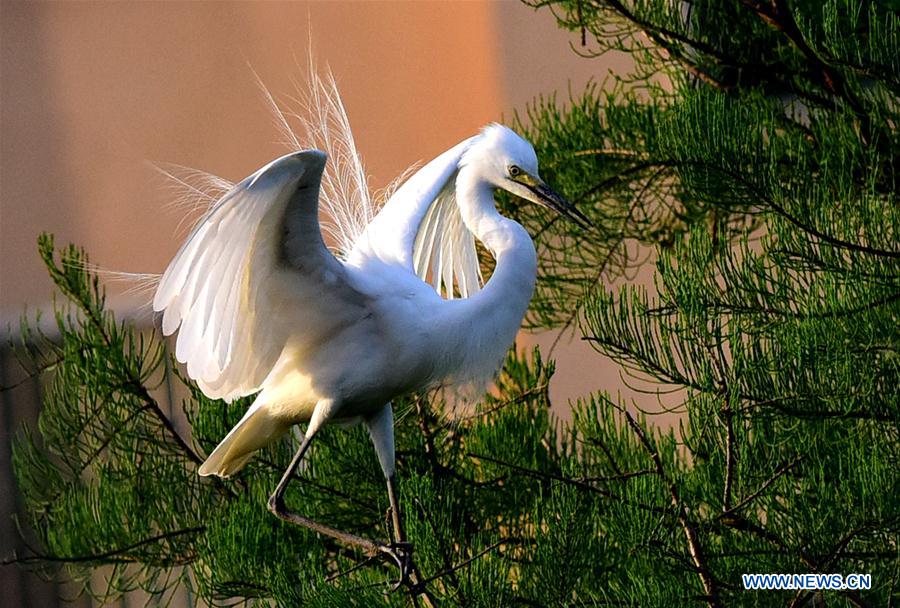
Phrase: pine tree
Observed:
(754, 152)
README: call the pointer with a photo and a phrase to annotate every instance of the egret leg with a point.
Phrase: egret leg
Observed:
(277, 507)
(381, 429)
(397, 534)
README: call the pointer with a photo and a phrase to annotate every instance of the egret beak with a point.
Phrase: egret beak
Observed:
(544, 195)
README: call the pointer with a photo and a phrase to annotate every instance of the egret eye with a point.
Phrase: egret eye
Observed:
(514, 171)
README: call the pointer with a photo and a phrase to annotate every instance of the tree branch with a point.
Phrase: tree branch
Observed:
(690, 533)
(106, 555)
(573, 482)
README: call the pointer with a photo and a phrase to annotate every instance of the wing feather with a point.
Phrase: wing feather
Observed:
(320, 113)
(444, 248)
(257, 252)
(420, 228)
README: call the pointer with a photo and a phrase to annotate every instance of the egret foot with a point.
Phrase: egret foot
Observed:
(400, 554)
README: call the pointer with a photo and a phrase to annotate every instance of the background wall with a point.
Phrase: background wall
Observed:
(90, 91)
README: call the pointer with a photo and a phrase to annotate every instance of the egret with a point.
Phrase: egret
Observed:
(262, 306)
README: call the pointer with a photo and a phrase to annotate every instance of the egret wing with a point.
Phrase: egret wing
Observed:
(445, 248)
(253, 266)
(421, 229)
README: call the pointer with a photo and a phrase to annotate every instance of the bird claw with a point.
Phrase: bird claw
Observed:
(400, 553)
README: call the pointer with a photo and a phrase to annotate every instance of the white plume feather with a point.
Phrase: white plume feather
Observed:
(344, 198)
(194, 191)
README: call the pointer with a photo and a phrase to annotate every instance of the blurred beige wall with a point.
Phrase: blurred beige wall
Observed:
(91, 91)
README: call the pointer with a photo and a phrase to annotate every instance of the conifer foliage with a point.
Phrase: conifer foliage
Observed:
(751, 158)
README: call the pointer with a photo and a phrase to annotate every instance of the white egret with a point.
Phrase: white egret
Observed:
(265, 308)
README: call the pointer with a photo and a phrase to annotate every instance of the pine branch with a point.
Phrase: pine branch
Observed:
(710, 586)
(82, 300)
(778, 15)
(117, 556)
(578, 483)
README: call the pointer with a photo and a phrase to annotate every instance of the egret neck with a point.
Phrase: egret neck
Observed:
(489, 320)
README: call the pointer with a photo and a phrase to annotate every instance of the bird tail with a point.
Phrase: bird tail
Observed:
(256, 429)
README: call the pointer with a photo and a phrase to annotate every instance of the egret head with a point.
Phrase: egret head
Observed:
(508, 162)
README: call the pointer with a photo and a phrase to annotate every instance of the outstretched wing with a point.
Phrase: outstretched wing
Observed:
(253, 261)
(421, 229)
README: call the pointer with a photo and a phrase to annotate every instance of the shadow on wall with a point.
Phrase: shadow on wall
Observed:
(22, 588)
(19, 407)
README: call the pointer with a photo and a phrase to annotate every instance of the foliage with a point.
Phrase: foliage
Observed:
(756, 164)
(761, 167)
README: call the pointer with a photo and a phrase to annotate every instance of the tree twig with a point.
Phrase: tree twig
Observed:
(466, 562)
(574, 482)
(772, 479)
